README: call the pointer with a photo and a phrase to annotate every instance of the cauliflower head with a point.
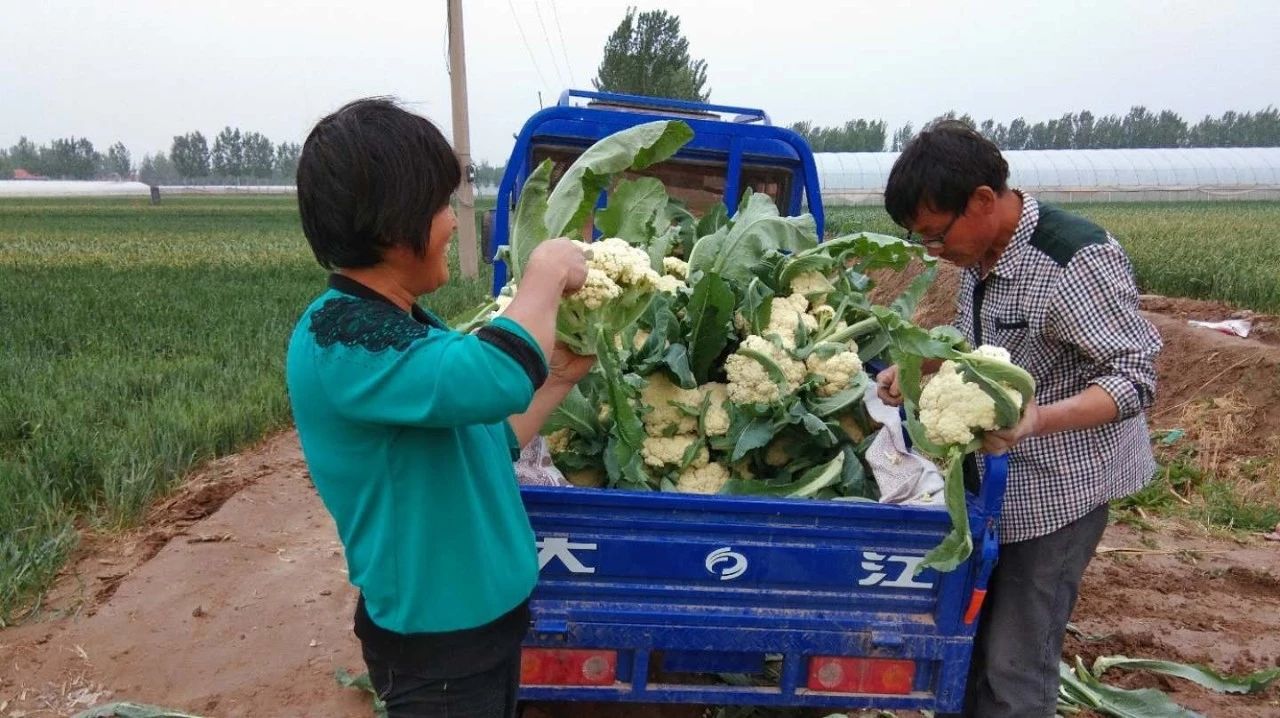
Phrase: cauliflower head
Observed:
(837, 371)
(749, 380)
(706, 479)
(786, 314)
(812, 285)
(716, 422)
(618, 287)
(663, 415)
(952, 408)
(661, 451)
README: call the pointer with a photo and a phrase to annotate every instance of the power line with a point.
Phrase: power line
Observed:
(528, 49)
(537, 6)
(559, 31)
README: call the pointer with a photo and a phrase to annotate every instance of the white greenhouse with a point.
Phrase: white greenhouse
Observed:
(1236, 173)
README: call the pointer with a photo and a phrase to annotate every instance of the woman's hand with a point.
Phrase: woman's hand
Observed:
(561, 259)
(566, 367)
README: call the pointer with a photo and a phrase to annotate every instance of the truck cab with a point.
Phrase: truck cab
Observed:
(733, 149)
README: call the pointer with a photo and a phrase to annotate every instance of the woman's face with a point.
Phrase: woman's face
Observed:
(435, 261)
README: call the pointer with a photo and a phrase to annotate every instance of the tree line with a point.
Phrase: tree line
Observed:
(235, 156)
(65, 158)
(1140, 128)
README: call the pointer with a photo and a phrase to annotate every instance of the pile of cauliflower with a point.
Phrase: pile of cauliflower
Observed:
(751, 370)
(764, 370)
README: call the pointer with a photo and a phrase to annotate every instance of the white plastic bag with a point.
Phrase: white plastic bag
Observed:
(535, 467)
(904, 476)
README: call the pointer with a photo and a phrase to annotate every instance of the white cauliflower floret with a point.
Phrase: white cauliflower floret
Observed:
(598, 289)
(624, 264)
(675, 267)
(716, 422)
(798, 301)
(994, 352)
(658, 395)
(823, 312)
(669, 284)
(812, 285)
(558, 441)
(837, 371)
(786, 314)
(707, 479)
(660, 451)
(951, 408)
(749, 381)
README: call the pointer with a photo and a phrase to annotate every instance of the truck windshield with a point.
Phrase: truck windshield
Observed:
(699, 184)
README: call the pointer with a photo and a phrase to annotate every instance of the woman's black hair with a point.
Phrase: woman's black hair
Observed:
(370, 176)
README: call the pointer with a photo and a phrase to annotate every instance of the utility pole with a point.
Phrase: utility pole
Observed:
(462, 143)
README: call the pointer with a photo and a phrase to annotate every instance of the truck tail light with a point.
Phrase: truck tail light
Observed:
(567, 667)
(834, 674)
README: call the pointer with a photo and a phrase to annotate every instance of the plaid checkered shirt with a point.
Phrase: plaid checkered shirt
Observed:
(1062, 299)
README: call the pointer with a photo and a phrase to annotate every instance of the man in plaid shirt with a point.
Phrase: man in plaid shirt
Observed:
(1058, 292)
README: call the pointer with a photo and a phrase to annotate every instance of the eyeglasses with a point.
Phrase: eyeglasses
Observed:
(939, 238)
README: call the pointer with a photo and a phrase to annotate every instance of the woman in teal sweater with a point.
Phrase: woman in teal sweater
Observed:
(409, 429)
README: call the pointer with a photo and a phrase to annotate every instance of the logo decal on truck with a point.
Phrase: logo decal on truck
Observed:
(562, 547)
(737, 563)
(904, 577)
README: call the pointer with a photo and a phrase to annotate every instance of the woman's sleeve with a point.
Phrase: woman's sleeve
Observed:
(442, 378)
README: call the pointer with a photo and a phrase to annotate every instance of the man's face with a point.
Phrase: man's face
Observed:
(960, 238)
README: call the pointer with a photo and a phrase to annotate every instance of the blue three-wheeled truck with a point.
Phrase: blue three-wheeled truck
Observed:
(797, 602)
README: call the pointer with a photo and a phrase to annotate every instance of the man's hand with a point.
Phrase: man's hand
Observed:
(887, 387)
(1000, 442)
(566, 367)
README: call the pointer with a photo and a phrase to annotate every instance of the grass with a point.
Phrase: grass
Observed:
(1183, 489)
(1205, 250)
(139, 341)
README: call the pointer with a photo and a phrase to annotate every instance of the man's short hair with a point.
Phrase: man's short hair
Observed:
(371, 176)
(942, 167)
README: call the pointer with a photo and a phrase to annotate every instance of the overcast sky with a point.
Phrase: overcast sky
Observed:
(141, 71)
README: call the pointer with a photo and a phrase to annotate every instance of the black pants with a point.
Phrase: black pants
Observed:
(1014, 673)
(488, 694)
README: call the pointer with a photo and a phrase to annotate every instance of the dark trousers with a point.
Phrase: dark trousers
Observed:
(487, 694)
(1014, 672)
